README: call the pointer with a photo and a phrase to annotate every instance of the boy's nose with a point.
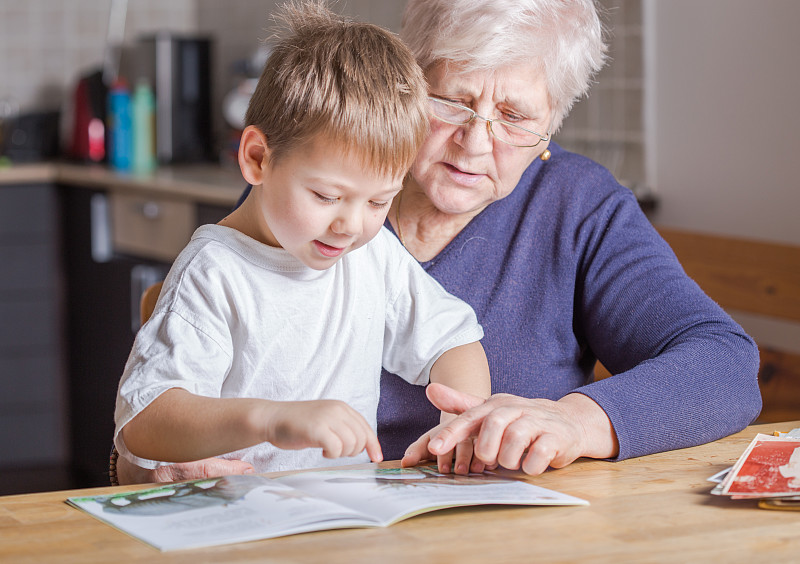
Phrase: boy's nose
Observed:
(347, 224)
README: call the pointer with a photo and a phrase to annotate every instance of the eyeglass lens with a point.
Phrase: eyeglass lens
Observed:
(506, 132)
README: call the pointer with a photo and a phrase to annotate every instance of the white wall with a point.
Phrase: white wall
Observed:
(722, 123)
(722, 114)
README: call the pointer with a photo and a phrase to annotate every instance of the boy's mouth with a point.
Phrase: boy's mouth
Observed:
(327, 250)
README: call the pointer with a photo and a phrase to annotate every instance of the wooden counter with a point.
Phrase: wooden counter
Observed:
(201, 183)
(655, 509)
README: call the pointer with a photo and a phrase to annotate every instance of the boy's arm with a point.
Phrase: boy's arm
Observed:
(463, 368)
(179, 426)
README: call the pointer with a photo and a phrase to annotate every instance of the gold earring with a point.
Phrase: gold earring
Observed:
(545, 156)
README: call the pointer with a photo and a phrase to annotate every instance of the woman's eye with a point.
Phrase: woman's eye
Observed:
(451, 100)
(511, 116)
(324, 199)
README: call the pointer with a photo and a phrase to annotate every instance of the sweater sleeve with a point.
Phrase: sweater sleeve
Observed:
(684, 372)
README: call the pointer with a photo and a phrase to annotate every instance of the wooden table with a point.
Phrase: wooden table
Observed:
(650, 509)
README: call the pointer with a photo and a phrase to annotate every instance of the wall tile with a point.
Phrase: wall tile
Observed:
(45, 45)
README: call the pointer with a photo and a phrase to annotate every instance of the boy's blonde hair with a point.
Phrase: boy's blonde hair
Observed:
(353, 83)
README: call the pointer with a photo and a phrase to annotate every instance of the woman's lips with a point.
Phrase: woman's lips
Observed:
(462, 177)
(327, 250)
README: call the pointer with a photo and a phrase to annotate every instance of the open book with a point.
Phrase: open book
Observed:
(251, 507)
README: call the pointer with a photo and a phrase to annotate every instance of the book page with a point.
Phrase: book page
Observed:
(243, 508)
(216, 511)
(393, 494)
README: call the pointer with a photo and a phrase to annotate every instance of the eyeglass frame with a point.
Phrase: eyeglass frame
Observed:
(490, 121)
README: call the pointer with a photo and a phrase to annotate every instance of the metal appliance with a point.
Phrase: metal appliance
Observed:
(179, 68)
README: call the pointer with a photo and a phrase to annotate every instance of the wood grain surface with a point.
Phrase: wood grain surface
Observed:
(651, 509)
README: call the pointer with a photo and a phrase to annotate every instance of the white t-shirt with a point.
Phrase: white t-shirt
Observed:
(237, 318)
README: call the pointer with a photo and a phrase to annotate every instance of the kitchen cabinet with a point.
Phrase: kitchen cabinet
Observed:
(108, 266)
(69, 303)
(33, 418)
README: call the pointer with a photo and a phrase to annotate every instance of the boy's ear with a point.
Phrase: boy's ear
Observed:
(253, 154)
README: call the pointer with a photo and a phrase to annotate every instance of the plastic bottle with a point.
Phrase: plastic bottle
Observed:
(144, 115)
(120, 127)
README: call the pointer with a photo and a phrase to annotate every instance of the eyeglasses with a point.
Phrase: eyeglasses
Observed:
(512, 134)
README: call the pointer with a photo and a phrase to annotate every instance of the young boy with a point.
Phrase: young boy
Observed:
(268, 338)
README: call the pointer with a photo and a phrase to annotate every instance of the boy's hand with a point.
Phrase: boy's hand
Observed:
(330, 424)
(452, 403)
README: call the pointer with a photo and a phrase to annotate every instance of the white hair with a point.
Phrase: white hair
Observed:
(564, 37)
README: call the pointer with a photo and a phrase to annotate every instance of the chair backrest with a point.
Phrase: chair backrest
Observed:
(148, 301)
(741, 274)
(754, 277)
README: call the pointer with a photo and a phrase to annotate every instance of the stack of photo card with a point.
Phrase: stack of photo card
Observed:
(768, 470)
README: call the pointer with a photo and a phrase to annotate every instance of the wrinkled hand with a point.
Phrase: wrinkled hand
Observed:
(331, 425)
(509, 431)
(465, 461)
(129, 473)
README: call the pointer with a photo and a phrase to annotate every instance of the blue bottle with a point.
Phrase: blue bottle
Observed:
(120, 127)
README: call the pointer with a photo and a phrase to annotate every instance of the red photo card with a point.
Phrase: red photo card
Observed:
(769, 467)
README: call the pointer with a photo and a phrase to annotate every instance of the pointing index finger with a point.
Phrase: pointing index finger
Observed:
(459, 429)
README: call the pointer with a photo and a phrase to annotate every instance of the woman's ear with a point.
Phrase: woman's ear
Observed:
(253, 153)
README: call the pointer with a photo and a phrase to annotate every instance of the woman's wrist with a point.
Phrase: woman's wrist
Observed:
(598, 438)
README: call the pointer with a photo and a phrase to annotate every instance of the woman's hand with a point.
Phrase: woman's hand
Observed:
(516, 432)
(465, 461)
(129, 473)
(464, 370)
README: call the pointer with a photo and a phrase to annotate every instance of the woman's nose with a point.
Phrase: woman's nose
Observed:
(476, 136)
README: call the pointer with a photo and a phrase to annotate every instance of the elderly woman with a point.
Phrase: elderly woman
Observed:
(557, 259)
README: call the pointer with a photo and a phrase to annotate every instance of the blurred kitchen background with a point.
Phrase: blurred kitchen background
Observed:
(695, 105)
(694, 113)
(47, 45)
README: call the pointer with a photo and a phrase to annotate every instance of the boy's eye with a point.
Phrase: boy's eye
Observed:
(324, 199)
(378, 204)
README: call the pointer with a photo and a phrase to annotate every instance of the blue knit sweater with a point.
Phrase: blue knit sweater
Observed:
(567, 270)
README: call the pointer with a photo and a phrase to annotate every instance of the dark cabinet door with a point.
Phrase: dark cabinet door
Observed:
(32, 410)
(100, 338)
(103, 289)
